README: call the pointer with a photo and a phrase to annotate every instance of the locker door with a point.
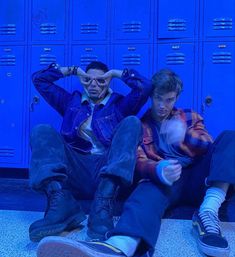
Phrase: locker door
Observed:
(41, 111)
(219, 18)
(177, 18)
(12, 110)
(90, 20)
(82, 55)
(179, 57)
(132, 19)
(48, 20)
(12, 20)
(132, 56)
(218, 90)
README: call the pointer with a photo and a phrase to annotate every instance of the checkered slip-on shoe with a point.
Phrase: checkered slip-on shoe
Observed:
(209, 237)
(56, 246)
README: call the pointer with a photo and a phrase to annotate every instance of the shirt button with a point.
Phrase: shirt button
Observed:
(132, 75)
(87, 114)
(76, 128)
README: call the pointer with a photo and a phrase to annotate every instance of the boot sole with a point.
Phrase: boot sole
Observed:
(71, 223)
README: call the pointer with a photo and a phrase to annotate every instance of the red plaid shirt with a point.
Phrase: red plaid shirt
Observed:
(196, 142)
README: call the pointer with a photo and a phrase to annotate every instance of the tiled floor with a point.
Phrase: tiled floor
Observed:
(175, 240)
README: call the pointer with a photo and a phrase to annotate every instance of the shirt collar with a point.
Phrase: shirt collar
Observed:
(103, 102)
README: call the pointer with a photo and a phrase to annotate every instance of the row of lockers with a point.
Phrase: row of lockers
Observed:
(115, 20)
(207, 69)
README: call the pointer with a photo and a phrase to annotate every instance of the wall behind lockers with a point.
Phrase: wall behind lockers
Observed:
(196, 38)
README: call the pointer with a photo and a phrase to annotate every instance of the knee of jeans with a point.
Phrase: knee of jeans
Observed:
(41, 129)
(133, 122)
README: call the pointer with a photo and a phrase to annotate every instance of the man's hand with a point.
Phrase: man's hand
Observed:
(172, 171)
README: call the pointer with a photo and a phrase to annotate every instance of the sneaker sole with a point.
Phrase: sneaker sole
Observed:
(210, 250)
(71, 223)
(61, 247)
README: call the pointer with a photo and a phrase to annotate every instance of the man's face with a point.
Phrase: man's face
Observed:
(94, 85)
(162, 104)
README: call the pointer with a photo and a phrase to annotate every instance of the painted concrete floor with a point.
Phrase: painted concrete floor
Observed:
(175, 240)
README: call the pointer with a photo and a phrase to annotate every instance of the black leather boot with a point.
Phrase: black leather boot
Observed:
(100, 220)
(63, 213)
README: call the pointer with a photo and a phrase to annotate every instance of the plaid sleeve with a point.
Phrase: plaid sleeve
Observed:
(197, 138)
(145, 167)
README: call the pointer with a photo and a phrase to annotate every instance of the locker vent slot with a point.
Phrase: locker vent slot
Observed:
(222, 58)
(176, 25)
(46, 59)
(89, 28)
(7, 152)
(47, 28)
(130, 27)
(8, 29)
(223, 24)
(8, 60)
(175, 58)
(131, 59)
(86, 59)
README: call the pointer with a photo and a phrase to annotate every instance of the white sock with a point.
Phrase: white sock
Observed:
(126, 244)
(213, 199)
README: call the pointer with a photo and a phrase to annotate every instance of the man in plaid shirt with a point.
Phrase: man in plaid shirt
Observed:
(178, 163)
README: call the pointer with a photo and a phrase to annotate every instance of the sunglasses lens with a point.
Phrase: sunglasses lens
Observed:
(101, 81)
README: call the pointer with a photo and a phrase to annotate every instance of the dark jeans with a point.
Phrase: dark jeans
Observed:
(53, 159)
(147, 204)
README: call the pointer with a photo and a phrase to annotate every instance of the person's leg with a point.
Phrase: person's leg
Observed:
(118, 171)
(61, 173)
(221, 175)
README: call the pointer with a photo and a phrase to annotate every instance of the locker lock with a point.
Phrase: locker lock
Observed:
(36, 100)
(208, 100)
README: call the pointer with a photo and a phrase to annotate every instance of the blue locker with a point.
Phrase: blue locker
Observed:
(40, 110)
(218, 90)
(48, 20)
(132, 56)
(12, 20)
(132, 19)
(12, 110)
(179, 57)
(177, 18)
(90, 20)
(82, 55)
(219, 18)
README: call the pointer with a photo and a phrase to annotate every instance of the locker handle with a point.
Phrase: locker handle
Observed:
(208, 100)
(36, 100)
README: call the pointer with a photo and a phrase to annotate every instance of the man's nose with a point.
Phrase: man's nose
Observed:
(93, 82)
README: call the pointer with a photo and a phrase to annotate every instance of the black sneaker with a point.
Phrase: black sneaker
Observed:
(63, 213)
(210, 240)
(55, 246)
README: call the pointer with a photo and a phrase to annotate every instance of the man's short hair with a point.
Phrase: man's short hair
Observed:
(97, 66)
(165, 81)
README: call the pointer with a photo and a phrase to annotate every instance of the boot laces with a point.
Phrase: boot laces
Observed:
(210, 222)
(54, 198)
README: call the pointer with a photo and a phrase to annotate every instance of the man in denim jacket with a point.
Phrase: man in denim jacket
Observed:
(93, 155)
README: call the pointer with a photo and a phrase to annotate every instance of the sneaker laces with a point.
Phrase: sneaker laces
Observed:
(210, 221)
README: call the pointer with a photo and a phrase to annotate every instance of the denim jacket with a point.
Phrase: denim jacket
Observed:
(75, 112)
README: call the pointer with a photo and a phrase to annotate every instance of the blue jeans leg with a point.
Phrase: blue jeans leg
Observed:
(121, 157)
